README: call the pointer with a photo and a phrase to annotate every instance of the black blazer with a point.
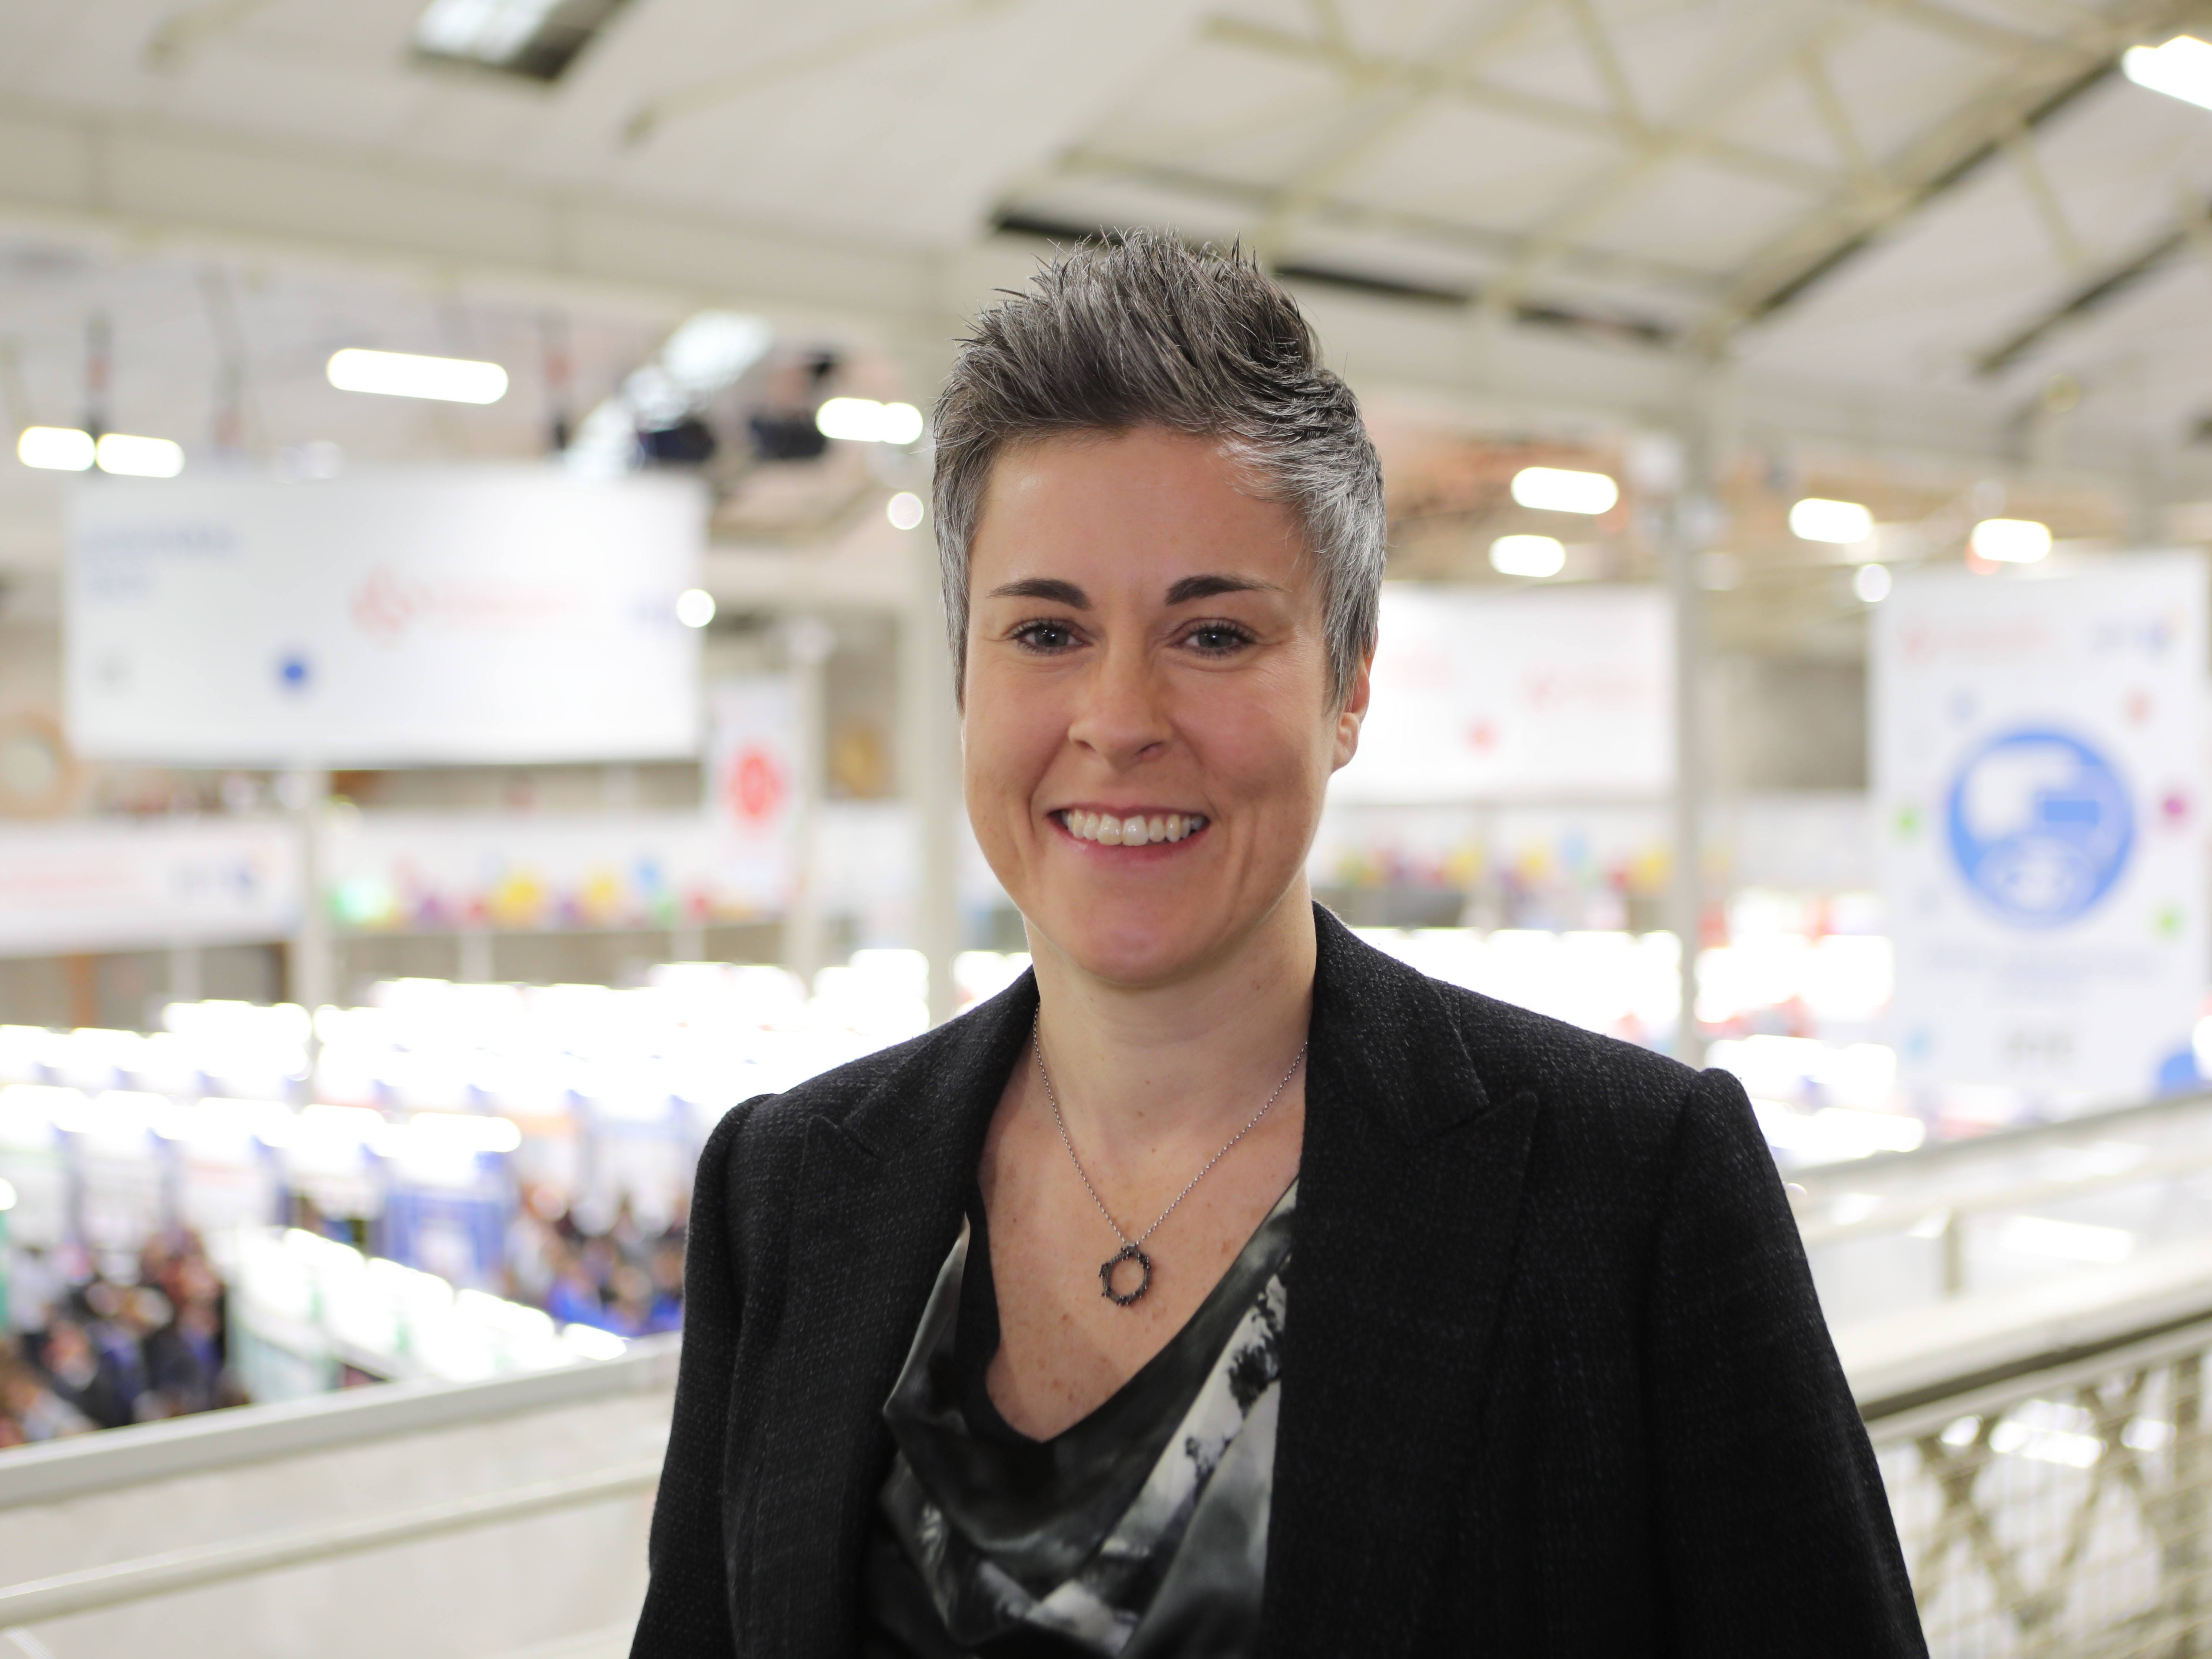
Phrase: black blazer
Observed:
(1555, 1379)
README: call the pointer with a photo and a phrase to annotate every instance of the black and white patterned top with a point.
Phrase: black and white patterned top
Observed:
(1138, 1533)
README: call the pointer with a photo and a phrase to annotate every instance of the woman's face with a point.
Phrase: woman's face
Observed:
(1144, 647)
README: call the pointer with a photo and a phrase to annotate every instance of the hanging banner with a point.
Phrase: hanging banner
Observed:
(487, 614)
(1540, 694)
(147, 884)
(2038, 784)
(752, 778)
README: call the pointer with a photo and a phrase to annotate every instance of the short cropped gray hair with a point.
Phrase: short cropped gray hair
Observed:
(1136, 330)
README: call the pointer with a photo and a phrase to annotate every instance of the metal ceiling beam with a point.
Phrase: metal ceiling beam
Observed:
(179, 35)
(648, 117)
(2094, 293)
(1717, 103)
(1338, 213)
(1533, 108)
(2029, 90)
(1382, 113)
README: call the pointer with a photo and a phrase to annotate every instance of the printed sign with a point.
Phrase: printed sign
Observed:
(1535, 695)
(752, 760)
(2039, 791)
(512, 613)
(108, 884)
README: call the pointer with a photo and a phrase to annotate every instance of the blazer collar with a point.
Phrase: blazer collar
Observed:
(877, 1205)
(1408, 1203)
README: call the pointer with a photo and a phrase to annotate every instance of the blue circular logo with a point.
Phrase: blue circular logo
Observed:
(295, 671)
(2041, 827)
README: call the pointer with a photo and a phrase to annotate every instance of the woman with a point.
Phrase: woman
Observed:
(1224, 1287)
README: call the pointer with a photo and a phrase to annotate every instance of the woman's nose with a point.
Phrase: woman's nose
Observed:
(1123, 714)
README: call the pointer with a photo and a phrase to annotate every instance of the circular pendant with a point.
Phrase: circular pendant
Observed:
(1126, 1253)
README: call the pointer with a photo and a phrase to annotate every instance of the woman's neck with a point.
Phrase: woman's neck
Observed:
(1135, 1065)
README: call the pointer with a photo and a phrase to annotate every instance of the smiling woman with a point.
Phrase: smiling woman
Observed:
(1224, 1287)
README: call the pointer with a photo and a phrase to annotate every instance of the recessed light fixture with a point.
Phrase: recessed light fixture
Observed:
(864, 420)
(1528, 555)
(1556, 490)
(2010, 541)
(1843, 523)
(139, 457)
(2182, 69)
(56, 449)
(1871, 584)
(403, 374)
(64, 449)
(537, 39)
(694, 608)
(903, 509)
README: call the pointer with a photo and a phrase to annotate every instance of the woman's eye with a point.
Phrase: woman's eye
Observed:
(1218, 638)
(1044, 636)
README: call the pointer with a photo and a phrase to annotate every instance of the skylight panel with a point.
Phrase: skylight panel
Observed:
(537, 39)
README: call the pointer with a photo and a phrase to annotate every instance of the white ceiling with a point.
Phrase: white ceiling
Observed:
(1523, 206)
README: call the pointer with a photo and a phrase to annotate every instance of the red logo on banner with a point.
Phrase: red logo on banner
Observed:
(755, 785)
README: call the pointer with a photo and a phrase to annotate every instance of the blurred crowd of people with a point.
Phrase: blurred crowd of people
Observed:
(626, 1277)
(91, 1349)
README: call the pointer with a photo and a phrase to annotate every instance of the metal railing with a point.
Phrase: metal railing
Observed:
(2066, 1511)
(172, 1571)
(32, 1479)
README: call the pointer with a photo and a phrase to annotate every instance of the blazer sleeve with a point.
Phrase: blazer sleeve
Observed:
(1775, 1534)
(687, 1599)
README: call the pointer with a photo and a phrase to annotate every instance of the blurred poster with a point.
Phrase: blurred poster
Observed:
(752, 760)
(497, 614)
(1539, 695)
(146, 884)
(2039, 791)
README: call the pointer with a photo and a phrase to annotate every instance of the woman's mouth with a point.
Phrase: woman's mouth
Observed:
(1136, 830)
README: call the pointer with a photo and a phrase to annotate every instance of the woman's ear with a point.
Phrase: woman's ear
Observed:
(1353, 712)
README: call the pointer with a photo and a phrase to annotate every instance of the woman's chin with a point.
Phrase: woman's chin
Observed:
(1134, 950)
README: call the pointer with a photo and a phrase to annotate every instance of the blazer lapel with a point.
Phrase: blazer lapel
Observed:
(1408, 1191)
(878, 1205)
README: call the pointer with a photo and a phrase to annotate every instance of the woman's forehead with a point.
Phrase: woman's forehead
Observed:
(1159, 510)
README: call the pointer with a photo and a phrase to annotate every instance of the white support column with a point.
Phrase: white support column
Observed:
(1693, 523)
(929, 770)
(808, 642)
(306, 792)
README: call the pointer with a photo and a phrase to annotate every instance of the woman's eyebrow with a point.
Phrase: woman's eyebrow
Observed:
(1205, 587)
(1044, 587)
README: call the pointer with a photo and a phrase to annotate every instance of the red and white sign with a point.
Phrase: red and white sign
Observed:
(495, 614)
(752, 758)
(1561, 694)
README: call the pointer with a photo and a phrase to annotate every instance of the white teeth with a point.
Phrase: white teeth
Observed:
(1110, 831)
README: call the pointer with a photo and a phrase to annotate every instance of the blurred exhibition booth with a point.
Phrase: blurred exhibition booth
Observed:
(474, 703)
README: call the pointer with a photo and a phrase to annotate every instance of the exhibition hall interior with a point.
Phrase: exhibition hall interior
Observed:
(475, 705)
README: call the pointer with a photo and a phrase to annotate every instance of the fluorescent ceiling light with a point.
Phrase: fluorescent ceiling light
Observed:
(1554, 489)
(401, 374)
(1871, 583)
(1528, 555)
(2010, 541)
(537, 38)
(1843, 523)
(55, 449)
(694, 608)
(903, 509)
(864, 420)
(2182, 69)
(140, 457)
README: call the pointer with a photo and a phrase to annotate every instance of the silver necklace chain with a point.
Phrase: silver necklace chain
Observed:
(1036, 1045)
